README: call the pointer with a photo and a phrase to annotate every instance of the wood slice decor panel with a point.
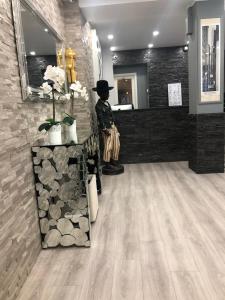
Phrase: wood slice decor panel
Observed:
(61, 178)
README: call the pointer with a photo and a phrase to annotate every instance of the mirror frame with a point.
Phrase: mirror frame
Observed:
(20, 43)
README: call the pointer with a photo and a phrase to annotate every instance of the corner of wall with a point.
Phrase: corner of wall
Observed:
(108, 73)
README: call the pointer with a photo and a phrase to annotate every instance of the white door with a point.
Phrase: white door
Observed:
(126, 89)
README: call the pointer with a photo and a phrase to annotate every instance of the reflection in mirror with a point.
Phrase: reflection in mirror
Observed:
(210, 58)
(37, 45)
(125, 94)
(130, 82)
(40, 47)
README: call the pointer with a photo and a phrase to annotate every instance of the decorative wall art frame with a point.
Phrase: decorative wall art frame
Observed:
(174, 94)
(210, 58)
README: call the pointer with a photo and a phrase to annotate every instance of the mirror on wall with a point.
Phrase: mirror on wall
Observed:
(210, 60)
(37, 46)
(131, 85)
(126, 89)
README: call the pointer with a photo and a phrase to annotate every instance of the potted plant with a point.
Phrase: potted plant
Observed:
(54, 88)
(77, 91)
(70, 122)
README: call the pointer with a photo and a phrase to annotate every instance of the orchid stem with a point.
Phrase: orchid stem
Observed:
(53, 105)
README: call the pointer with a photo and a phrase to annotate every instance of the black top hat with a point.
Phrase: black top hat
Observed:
(102, 86)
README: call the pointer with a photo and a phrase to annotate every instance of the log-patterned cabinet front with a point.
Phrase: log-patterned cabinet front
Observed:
(61, 178)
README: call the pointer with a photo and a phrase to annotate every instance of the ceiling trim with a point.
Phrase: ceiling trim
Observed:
(94, 3)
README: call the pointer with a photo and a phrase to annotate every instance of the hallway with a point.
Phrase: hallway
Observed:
(159, 235)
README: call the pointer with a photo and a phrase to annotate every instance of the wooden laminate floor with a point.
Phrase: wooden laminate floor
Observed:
(160, 235)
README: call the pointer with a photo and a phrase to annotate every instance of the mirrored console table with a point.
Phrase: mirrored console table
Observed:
(61, 182)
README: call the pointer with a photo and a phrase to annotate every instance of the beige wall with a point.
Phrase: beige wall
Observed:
(19, 231)
(108, 74)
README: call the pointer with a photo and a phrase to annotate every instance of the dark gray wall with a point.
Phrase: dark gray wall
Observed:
(164, 66)
(207, 120)
(153, 135)
(36, 66)
(206, 143)
(141, 71)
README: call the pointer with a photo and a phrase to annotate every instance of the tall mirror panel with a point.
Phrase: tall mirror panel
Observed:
(210, 60)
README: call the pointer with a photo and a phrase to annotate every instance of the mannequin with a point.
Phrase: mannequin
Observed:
(70, 57)
(109, 130)
(70, 61)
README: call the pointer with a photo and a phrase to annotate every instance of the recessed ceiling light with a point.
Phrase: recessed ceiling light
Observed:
(155, 33)
(188, 42)
(110, 37)
(46, 29)
(150, 45)
(112, 48)
(186, 48)
(32, 53)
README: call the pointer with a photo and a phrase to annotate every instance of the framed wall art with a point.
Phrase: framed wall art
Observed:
(175, 94)
(210, 60)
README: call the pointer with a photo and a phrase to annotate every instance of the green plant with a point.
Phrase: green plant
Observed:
(68, 120)
(48, 124)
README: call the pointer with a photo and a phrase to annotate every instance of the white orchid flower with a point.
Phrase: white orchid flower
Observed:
(79, 85)
(60, 75)
(61, 80)
(84, 89)
(76, 86)
(46, 88)
(73, 87)
(76, 95)
(67, 96)
(57, 87)
(83, 92)
(55, 74)
(79, 91)
(29, 90)
(49, 73)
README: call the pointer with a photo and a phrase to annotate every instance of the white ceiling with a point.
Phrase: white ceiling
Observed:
(133, 21)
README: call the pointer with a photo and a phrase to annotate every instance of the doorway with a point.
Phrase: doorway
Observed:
(126, 89)
(142, 81)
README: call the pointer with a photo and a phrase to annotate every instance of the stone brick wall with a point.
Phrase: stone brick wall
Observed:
(78, 36)
(154, 135)
(164, 66)
(206, 143)
(19, 120)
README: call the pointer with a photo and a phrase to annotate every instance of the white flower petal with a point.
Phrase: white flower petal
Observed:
(67, 96)
(29, 90)
(56, 74)
(57, 87)
(76, 95)
(46, 88)
(73, 86)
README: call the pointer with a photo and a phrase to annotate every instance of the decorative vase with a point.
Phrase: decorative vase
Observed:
(72, 132)
(54, 135)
